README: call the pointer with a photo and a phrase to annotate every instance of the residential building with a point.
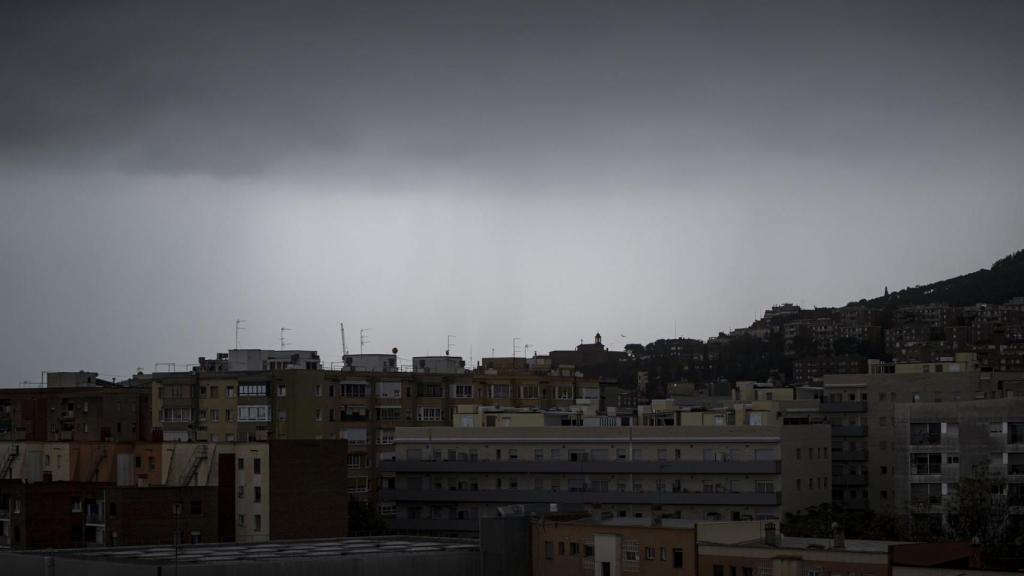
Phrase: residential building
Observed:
(942, 443)
(444, 479)
(862, 409)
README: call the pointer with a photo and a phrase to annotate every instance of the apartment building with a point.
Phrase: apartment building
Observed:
(944, 443)
(79, 514)
(363, 408)
(84, 412)
(862, 410)
(259, 490)
(626, 545)
(444, 479)
(574, 544)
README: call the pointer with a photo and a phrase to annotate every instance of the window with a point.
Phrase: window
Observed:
(257, 520)
(549, 550)
(353, 389)
(718, 570)
(565, 393)
(358, 484)
(500, 391)
(241, 463)
(355, 461)
(650, 552)
(318, 391)
(282, 415)
(385, 437)
(561, 548)
(926, 463)
(256, 466)
(529, 392)
(282, 390)
(176, 415)
(389, 412)
(463, 390)
(229, 391)
(630, 552)
(254, 414)
(196, 507)
(252, 390)
(257, 494)
(429, 414)
(318, 415)
(241, 519)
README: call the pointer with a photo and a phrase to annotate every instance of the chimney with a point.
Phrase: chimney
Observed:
(838, 537)
(771, 535)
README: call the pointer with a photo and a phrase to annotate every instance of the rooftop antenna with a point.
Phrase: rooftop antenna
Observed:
(448, 351)
(283, 343)
(344, 347)
(363, 340)
(238, 328)
(526, 348)
(515, 350)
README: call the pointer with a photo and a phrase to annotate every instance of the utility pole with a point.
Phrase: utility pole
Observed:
(283, 343)
(238, 328)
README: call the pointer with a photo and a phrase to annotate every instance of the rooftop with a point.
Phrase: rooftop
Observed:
(232, 553)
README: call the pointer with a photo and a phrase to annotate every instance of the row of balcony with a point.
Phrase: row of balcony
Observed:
(547, 497)
(589, 467)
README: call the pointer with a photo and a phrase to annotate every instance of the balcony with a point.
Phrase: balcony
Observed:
(833, 407)
(513, 496)
(850, 431)
(931, 439)
(433, 525)
(855, 456)
(589, 467)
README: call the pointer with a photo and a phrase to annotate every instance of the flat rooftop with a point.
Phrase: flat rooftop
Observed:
(231, 553)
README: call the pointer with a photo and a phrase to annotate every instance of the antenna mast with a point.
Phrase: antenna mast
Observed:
(283, 343)
(238, 328)
(363, 340)
(448, 351)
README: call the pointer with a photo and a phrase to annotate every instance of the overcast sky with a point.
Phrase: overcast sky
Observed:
(486, 169)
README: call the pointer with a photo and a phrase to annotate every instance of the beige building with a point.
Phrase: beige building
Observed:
(443, 479)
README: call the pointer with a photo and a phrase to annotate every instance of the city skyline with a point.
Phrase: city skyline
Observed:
(527, 170)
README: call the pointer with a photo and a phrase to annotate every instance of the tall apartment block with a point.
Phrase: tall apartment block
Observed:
(863, 410)
(944, 443)
(444, 479)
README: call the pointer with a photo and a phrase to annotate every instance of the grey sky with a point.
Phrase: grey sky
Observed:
(487, 169)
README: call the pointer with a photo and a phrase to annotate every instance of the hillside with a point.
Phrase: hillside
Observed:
(1003, 281)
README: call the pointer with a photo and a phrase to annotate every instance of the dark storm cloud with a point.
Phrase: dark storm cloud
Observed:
(236, 88)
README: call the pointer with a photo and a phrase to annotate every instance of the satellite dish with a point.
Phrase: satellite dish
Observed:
(394, 350)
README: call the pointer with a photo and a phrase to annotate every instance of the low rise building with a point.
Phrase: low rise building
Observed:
(444, 479)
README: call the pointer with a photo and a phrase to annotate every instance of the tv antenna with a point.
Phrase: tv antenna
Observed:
(363, 340)
(344, 348)
(515, 349)
(448, 351)
(238, 328)
(283, 343)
